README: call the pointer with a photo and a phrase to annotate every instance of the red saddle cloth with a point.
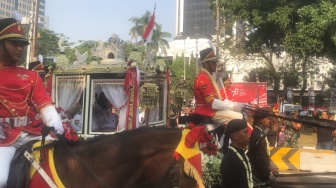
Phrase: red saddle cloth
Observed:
(36, 180)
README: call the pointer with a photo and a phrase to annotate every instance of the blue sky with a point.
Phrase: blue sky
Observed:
(99, 19)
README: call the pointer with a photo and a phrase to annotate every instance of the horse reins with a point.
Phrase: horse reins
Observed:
(45, 131)
(171, 171)
(321, 123)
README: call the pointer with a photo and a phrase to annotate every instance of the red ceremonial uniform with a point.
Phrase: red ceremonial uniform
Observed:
(205, 90)
(22, 94)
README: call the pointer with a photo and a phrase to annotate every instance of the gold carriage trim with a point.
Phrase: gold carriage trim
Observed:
(131, 104)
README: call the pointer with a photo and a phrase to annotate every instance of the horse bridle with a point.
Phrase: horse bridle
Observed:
(45, 131)
(171, 176)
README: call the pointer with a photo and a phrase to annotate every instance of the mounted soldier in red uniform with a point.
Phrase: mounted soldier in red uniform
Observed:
(207, 95)
(22, 96)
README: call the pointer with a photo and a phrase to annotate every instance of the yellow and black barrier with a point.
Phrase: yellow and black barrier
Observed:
(285, 158)
(297, 159)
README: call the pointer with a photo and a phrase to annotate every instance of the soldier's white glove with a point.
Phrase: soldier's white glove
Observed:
(51, 118)
(223, 105)
(238, 107)
(226, 105)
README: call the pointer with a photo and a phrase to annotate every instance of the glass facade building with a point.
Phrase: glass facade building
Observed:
(194, 18)
(24, 7)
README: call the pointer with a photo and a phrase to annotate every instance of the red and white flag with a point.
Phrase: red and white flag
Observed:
(148, 34)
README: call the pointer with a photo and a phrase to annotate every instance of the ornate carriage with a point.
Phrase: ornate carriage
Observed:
(88, 91)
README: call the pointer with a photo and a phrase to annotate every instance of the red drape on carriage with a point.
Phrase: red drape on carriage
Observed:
(131, 88)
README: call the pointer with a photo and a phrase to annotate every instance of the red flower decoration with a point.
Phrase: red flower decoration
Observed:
(74, 138)
(206, 142)
(211, 149)
(67, 136)
(70, 134)
(72, 131)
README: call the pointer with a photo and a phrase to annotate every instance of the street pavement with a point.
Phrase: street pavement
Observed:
(305, 180)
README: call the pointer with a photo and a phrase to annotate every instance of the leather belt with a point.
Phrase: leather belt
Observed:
(14, 121)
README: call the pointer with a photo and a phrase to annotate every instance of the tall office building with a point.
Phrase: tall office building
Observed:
(194, 17)
(24, 7)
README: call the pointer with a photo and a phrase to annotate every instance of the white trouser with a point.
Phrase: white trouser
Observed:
(7, 153)
(224, 116)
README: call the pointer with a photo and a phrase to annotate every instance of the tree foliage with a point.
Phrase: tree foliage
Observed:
(158, 40)
(47, 43)
(83, 47)
(140, 24)
(48, 46)
(330, 78)
(313, 36)
(265, 25)
(303, 29)
(177, 69)
(262, 74)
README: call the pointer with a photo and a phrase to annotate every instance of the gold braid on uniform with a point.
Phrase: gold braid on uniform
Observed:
(209, 98)
(214, 84)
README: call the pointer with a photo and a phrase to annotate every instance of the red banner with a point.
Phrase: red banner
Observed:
(254, 93)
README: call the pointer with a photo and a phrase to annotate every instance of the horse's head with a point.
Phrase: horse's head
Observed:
(177, 176)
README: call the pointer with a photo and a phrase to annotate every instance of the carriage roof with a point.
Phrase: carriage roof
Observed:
(105, 64)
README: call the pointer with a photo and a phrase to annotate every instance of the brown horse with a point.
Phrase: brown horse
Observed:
(137, 158)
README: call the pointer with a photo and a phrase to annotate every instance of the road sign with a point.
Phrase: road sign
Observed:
(285, 158)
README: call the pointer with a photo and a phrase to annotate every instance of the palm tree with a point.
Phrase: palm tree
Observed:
(139, 25)
(158, 41)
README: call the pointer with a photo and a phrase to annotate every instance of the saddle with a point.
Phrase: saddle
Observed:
(19, 176)
(19, 167)
(195, 119)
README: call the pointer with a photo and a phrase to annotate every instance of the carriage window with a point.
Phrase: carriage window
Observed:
(152, 100)
(69, 99)
(108, 106)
